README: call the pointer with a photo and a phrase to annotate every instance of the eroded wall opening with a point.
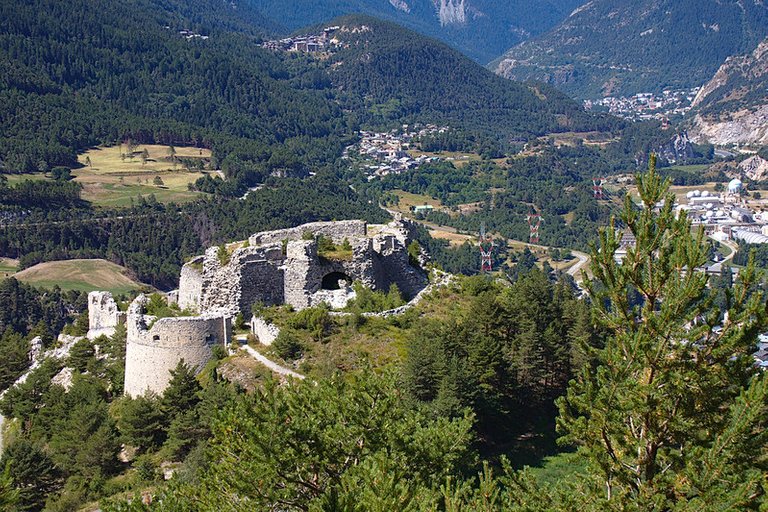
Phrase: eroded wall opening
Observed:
(331, 281)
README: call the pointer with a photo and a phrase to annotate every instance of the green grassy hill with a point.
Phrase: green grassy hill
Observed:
(80, 275)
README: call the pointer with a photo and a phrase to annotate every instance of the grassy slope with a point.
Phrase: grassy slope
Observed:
(113, 181)
(83, 275)
(8, 267)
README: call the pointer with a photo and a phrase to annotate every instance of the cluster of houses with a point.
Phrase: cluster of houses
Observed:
(387, 153)
(646, 105)
(188, 34)
(727, 215)
(313, 43)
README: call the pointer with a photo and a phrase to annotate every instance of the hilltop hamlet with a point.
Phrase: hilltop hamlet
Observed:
(270, 268)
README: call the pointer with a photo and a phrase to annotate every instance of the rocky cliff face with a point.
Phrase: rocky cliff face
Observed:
(732, 108)
(677, 149)
(452, 12)
(755, 168)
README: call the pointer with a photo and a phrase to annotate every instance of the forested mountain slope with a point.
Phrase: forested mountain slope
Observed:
(93, 72)
(97, 71)
(733, 106)
(388, 72)
(620, 47)
(481, 29)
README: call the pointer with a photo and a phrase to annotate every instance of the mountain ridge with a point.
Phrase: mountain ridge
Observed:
(481, 29)
(619, 48)
(732, 108)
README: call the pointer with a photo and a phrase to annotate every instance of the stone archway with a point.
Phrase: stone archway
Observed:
(331, 280)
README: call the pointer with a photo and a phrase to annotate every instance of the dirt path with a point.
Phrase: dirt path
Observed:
(280, 370)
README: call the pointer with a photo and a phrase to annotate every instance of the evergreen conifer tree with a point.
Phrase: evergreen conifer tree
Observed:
(668, 416)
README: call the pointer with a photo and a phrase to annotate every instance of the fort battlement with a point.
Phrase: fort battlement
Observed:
(103, 315)
(155, 346)
(274, 267)
(337, 231)
(283, 267)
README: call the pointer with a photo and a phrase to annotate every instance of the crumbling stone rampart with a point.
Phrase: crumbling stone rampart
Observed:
(155, 346)
(283, 267)
(275, 267)
(191, 284)
(337, 231)
(103, 315)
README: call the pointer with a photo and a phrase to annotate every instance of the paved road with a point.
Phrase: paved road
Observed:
(717, 267)
(583, 260)
(281, 370)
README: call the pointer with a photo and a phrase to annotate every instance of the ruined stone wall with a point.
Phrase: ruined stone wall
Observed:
(191, 285)
(262, 272)
(261, 281)
(253, 274)
(305, 270)
(155, 346)
(103, 315)
(393, 258)
(266, 333)
(298, 272)
(336, 230)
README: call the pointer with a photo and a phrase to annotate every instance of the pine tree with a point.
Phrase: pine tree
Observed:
(182, 393)
(651, 414)
(33, 475)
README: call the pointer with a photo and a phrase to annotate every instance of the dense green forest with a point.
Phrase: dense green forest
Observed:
(395, 74)
(95, 72)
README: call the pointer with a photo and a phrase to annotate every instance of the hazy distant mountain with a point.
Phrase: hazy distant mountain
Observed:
(733, 106)
(481, 29)
(620, 47)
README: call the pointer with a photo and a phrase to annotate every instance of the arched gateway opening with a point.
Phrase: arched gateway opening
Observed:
(331, 281)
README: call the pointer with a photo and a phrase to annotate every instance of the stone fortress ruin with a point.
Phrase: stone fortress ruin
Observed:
(270, 268)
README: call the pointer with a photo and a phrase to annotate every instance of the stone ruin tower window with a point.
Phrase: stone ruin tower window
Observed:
(156, 337)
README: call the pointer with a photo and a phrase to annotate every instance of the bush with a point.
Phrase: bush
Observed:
(223, 255)
(368, 300)
(287, 345)
(316, 320)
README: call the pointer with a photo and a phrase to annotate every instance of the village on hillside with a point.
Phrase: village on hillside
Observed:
(384, 153)
(646, 105)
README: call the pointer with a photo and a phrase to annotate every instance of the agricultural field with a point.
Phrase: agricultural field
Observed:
(598, 139)
(8, 267)
(409, 200)
(81, 275)
(457, 158)
(13, 179)
(111, 179)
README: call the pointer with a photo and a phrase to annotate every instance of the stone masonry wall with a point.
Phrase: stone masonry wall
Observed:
(253, 274)
(103, 315)
(191, 285)
(336, 230)
(261, 272)
(396, 266)
(152, 352)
